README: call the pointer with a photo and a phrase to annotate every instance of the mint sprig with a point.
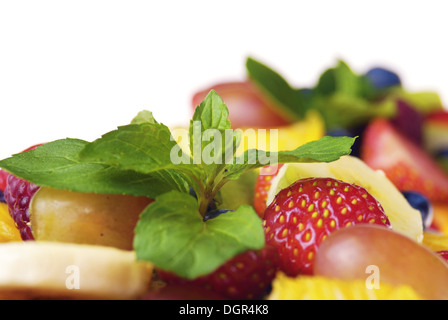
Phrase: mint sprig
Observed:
(343, 98)
(143, 158)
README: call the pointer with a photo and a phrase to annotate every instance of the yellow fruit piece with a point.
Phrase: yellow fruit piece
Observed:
(284, 138)
(435, 241)
(322, 288)
(402, 216)
(54, 270)
(8, 230)
(440, 217)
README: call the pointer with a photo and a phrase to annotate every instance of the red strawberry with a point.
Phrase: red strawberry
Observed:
(262, 186)
(18, 194)
(246, 276)
(247, 105)
(305, 213)
(405, 163)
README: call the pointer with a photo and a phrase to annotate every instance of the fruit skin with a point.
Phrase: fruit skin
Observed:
(246, 276)
(396, 260)
(18, 195)
(262, 186)
(407, 165)
(248, 108)
(305, 213)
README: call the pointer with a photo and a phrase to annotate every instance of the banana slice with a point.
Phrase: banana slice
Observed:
(54, 270)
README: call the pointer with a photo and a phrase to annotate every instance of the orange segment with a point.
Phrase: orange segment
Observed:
(322, 288)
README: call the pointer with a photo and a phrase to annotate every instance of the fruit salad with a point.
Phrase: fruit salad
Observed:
(270, 192)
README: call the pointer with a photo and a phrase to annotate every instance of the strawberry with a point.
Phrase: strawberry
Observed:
(244, 277)
(405, 163)
(262, 186)
(305, 213)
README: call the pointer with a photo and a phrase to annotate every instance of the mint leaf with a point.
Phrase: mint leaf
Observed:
(144, 148)
(326, 149)
(287, 99)
(172, 235)
(208, 131)
(144, 116)
(56, 164)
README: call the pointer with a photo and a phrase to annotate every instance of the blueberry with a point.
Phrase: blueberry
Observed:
(352, 132)
(421, 203)
(214, 213)
(383, 78)
(2, 197)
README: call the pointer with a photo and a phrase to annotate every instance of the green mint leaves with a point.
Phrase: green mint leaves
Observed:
(193, 247)
(144, 158)
(343, 98)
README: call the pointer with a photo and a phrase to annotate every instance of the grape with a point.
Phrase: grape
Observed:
(87, 218)
(374, 252)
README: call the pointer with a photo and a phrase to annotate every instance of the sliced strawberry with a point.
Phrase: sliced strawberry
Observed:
(244, 277)
(248, 108)
(305, 213)
(262, 186)
(406, 164)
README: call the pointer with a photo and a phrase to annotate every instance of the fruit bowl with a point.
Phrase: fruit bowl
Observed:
(270, 192)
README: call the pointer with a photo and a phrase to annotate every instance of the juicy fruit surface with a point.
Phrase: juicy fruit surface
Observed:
(244, 277)
(395, 259)
(41, 270)
(402, 216)
(99, 219)
(262, 187)
(8, 230)
(407, 165)
(305, 213)
(18, 195)
(324, 288)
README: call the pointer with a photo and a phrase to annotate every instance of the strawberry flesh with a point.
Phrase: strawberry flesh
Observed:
(262, 186)
(405, 163)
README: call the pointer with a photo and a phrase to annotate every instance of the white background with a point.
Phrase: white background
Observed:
(81, 68)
